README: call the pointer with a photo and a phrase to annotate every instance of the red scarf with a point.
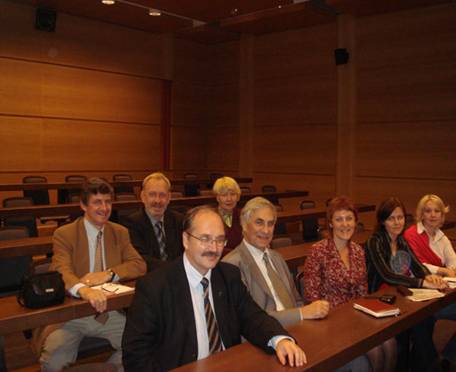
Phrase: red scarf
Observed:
(420, 246)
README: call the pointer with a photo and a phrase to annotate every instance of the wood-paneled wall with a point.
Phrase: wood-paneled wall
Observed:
(405, 111)
(406, 70)
(85, 99)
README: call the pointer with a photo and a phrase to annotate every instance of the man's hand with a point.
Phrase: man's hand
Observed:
(288, 349)
(316, 310)
(446, 271)
(434, 282)
(96, 298)
(91, 279)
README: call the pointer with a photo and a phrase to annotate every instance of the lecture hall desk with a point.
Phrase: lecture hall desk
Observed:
(133, 183)
(328, 343)
(64, 209)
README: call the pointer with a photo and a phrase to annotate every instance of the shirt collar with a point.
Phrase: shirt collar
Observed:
(91, 229)
(421, 229)
(256, 252)
(194, 276)
(152, 219)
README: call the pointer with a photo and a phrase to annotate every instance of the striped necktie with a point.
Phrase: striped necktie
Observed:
(215, 343)
(161, 240)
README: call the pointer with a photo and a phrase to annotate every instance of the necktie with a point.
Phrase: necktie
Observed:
(98, 263)
(228, 219)
(161, 240)
(97, 267)
(215, 343)
(277, 284)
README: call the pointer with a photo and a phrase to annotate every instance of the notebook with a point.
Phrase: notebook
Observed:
(375, 307)
(114, 288)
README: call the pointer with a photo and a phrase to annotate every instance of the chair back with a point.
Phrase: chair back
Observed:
(75, 178)
(13, 269)
(307, 204)
(206, 193)
(190, 176)
(17, 201)
(268, 188)
(40, 197)
(125, 196)
(245, 190)
(123, 189)
(176, 194)
(281, 242)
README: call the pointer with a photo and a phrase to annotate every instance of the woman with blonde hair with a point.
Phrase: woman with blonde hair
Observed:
(228, 192)
(427, 241)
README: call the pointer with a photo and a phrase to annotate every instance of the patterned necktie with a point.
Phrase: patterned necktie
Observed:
(277, 284)
(97, 267)
(228, 219)
(161, 240)
(215, 343)
(98, 263)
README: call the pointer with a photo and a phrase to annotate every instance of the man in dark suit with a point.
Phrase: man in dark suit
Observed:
(156, 231)
(171, 321)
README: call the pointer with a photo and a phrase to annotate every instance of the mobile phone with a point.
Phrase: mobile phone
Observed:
(388, 298)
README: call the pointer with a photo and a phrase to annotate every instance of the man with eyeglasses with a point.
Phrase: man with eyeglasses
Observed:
(155, 230)
(196, 306)
(264, 271)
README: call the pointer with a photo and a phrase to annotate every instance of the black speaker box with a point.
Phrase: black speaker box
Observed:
(45, 19)
(341, 55)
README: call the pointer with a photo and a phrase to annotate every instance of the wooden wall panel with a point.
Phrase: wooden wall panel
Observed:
(409, 92)
(188, 144)
(295, 100)
(223, 148)
(295, 149)
(192, 62)
(307, 52)
(78, 42)
(54, 91)
(99, 146)
(406, 117)
(82, 99)
(225, 111)
(409, 150)
(376, 189)
(191, 103)
(20, 144)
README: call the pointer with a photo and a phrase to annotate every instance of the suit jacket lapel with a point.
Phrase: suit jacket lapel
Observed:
(252, 267)
(82, 263)
(150, 233)
(183, 298)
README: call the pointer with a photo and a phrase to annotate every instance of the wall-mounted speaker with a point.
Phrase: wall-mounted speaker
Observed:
(45, 19)
(341, 55)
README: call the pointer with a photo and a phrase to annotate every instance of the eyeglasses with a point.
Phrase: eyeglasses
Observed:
(206, 241)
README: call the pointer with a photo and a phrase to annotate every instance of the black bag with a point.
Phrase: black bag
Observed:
(41, 290)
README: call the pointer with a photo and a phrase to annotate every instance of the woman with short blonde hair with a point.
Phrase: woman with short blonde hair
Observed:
(228, 192)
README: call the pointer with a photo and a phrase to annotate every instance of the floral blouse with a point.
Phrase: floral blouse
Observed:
(327, 278)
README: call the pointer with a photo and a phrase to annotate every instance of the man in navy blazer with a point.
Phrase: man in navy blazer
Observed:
(143, 228)
(167, 321)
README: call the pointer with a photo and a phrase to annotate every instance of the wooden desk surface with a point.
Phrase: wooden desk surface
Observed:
(63, 209)
(14, 317)
(328, 343)
(294, 216)
(69, 185)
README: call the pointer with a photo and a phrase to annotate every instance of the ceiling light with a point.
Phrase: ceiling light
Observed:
(108, 2)
(154, 13)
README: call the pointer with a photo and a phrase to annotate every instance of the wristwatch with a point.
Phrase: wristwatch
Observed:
(112, 273)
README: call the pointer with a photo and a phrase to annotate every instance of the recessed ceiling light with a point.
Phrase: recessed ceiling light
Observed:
(108, 2)
(154, 12)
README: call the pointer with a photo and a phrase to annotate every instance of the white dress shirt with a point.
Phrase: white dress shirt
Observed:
(441, 246)
(92, 233)
(257, 255)
(196, 289)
